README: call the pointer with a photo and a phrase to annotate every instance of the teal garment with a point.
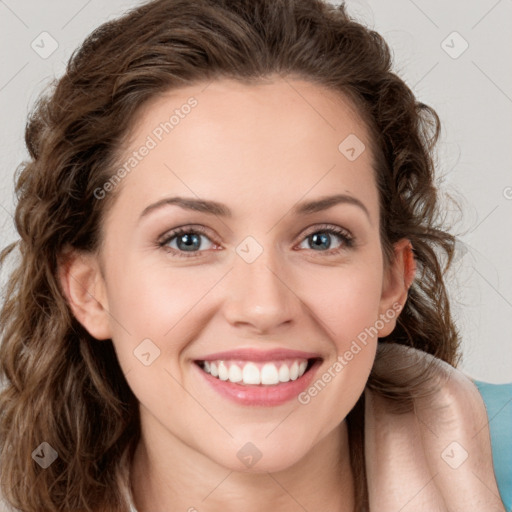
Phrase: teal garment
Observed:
(498, 402)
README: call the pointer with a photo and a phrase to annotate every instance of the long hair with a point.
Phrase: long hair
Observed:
(63, 387)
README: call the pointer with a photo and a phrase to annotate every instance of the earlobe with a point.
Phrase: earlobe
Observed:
(84, 287)
(397, 282)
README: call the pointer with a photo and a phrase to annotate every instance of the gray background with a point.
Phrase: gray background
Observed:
(471, 90)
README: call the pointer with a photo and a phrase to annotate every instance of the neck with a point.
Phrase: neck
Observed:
(321, 480)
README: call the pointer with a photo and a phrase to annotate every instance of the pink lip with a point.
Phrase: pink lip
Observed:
(248, 354)
(258, 395)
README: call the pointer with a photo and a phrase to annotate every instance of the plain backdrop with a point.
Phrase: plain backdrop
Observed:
(455, 55)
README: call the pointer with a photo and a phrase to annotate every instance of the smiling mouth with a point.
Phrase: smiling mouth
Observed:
(257, 373)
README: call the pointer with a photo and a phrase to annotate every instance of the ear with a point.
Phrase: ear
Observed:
(397, 280)
(83, 284)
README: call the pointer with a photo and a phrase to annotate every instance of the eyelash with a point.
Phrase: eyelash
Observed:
(346, 238)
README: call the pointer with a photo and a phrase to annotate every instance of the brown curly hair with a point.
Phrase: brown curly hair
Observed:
(62, 387)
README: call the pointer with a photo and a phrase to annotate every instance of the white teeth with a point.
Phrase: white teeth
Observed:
(235, 374)
(223, 371)
(251, 373)
(284, 373)
(269, 374)
(294, 371)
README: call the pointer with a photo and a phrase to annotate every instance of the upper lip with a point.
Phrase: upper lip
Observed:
(250, 354)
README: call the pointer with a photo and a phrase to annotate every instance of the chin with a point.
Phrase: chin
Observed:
(262, 455)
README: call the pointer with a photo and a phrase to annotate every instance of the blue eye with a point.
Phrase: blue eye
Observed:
(186, 242)
(321, 238)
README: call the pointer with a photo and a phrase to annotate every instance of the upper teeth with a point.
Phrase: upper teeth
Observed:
(248, 372)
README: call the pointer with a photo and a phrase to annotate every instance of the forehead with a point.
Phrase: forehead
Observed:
(234, 142)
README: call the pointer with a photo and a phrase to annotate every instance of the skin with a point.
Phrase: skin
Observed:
(259, 149)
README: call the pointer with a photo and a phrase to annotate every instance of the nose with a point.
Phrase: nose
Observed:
(260, 295)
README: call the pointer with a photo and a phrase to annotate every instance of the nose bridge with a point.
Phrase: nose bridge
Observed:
(259, 292)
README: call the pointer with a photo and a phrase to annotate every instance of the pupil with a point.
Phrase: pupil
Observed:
(190, 241)
(322, 239)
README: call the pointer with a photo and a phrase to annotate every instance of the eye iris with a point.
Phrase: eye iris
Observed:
(322, 238)
(191, 241)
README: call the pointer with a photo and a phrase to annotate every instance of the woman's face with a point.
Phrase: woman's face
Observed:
(268, 279)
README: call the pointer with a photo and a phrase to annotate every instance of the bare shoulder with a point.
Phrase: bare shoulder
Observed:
(441, 440)
(433, 383)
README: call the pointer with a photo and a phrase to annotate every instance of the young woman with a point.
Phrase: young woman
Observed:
(229, 291)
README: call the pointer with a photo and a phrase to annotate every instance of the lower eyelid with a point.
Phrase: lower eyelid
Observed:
(345, 237)
(166, 241)
(346, 241)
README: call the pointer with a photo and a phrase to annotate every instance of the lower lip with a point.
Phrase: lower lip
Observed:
(266, 396)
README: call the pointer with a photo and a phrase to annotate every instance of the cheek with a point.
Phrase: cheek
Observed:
(153, 299)
(154, 311)
(346, 304)
(164, 305)
(346, 301)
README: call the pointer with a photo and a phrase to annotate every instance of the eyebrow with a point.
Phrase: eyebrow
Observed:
(326, 202)
(215, 208)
